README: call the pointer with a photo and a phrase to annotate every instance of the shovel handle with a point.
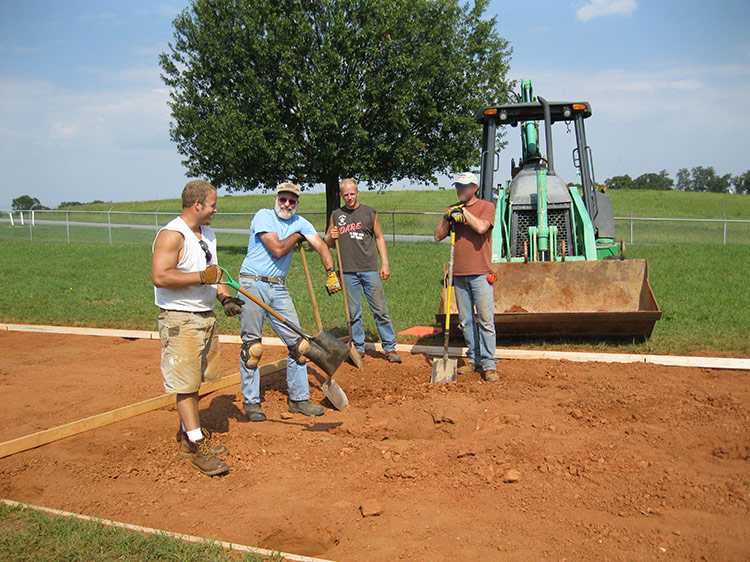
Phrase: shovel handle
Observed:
(310, 288)
(226, 279)
(343, 287)
(449, 295)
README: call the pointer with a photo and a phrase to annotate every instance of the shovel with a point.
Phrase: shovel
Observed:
(354, 355)
(444, 369)
(330, 385)
(326, 350)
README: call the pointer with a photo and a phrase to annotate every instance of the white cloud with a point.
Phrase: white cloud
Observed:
(597, 8)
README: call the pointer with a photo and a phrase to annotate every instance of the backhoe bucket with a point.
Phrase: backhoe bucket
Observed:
(604, 299)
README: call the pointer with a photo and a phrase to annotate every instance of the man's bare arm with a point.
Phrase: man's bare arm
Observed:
(279, 248)
(167, 248)
(320, 246)
(475, 223)
(377, 230)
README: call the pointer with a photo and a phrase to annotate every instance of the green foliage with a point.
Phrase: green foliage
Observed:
(659, 182)
(704, 179)
(619, 182)
(268, 90)
(742, 183)
(26, 203)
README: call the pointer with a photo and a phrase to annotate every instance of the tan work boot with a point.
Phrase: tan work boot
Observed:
(393, 357)
(217, 449)
(468, 369)
(203, 460)
(490, 375)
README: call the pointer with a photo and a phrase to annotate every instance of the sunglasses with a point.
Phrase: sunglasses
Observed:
(205, 249)
(291, 202)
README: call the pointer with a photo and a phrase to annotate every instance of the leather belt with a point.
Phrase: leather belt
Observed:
(277, 280)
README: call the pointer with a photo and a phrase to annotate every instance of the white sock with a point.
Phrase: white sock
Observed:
(195, 434)
(182, 425)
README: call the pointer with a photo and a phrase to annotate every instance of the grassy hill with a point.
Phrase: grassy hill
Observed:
(639, 203)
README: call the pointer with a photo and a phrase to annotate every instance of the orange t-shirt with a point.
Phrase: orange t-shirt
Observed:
(473, 250)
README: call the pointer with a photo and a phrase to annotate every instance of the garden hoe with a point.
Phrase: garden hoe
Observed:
(354, 355)
(325, 350)
(444, 369)
(330, 386)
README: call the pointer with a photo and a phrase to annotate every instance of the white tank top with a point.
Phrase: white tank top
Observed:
(195, 298)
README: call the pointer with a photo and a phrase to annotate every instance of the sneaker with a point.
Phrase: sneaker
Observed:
(393, 357)
(253, 413)
(217, 449)
(305, 407)
(490, 375)
(468, 369)
(203, 460)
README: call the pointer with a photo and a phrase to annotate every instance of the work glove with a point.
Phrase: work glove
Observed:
(232, 306)
(333, 285)
(211, 275)
(453, 211)
(457, 216)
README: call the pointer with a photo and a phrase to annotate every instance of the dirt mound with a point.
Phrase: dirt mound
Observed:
(557, 460)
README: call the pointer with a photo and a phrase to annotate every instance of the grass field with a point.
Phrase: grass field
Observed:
(31, 535)
(701, 290)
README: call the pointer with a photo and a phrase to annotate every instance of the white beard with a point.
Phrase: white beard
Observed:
(283, 214)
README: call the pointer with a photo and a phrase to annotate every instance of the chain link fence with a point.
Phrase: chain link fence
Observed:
(139, 227)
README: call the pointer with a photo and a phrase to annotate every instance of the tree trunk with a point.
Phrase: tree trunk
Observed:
(333, 200)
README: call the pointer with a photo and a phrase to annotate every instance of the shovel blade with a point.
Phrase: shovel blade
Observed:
(334, 393)
(444, 370)
(327, 352)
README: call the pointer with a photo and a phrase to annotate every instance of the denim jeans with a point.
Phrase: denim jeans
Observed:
(251, 321)
(475, 291)
(369, 282)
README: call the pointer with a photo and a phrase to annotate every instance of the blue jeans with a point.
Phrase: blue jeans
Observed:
(475, 291)
(369, 282)
(251, 321)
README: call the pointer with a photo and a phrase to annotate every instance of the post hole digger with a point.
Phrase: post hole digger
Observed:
(324, 349)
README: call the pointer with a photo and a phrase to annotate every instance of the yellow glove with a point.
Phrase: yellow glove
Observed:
(458, 216)
(333, 285)
(452, 211)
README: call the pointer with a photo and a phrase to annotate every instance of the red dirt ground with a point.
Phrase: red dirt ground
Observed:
(622, 462)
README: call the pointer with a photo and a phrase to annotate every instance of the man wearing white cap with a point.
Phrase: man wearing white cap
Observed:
(273, 236)
(473, 220)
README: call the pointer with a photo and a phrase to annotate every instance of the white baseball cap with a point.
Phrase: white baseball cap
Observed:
(466, 178)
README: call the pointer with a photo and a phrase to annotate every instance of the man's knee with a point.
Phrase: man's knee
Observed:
(298, 350)
(251, 353)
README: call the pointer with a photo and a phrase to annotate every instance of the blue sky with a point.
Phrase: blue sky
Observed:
(83, 111)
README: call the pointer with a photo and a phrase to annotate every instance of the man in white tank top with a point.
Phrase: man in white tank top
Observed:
(185, 279)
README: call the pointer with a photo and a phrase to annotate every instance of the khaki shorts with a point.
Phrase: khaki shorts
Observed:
(190, 351)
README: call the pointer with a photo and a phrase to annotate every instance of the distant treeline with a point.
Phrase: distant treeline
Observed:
(696, 179)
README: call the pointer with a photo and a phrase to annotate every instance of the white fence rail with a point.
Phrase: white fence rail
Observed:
(122, 227)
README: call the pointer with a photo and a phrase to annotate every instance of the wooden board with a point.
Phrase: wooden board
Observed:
(79, 426)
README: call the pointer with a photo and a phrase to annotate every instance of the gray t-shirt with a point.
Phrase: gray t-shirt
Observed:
(357, 238)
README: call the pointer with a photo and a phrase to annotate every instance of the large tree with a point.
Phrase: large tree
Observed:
(660, 181)
(26, 203)
(313, 91)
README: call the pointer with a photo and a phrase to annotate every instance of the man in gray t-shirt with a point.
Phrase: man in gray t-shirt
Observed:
(361, 239)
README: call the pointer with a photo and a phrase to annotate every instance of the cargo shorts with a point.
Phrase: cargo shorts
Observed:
(190, 353)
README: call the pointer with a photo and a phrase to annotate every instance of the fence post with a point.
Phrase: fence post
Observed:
(631, 228)
(393, 225)
(10, 216)
(725, 229)
(31, 236)
(109, 225)
(156, 218)
(20, 214)
(67, 223)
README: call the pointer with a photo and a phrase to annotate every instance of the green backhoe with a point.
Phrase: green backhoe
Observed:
(560, 270)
